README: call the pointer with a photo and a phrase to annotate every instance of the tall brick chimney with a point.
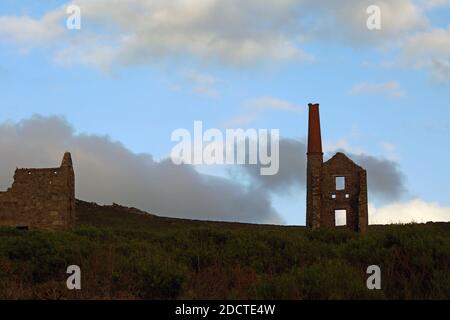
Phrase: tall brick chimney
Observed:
(314, 168)
(314, 136)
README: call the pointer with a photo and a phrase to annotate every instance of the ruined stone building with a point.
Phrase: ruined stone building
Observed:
(40, 198)
(336, 189)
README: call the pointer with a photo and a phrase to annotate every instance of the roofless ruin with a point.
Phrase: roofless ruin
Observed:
(336, 189)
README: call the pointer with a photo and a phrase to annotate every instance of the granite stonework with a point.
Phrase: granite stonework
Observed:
(324, 194)
(40, 198)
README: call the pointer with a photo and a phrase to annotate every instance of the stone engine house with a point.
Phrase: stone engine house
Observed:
(40, 198)
(336, 189)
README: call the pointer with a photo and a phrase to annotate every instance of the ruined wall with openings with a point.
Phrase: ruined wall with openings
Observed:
(327, 204)
(40, 198)
(347, 196)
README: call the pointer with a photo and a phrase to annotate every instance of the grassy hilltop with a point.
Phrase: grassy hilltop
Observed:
(125, 254)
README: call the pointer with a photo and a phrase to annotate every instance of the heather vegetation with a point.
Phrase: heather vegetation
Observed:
(126, 255)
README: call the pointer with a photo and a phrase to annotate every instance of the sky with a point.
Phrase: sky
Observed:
(113, 92)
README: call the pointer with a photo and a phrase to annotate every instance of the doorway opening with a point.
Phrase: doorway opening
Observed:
(340, 218)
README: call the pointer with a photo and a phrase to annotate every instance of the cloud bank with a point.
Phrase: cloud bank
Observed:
(386, 182)
(416, 210)
(390, 89)
(232, 32)
(385, 179)
(106, 172)
(253, 109)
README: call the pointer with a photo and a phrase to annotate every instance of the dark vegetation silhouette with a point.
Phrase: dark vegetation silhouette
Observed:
(125, 254)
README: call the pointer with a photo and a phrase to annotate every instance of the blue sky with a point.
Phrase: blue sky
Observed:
(385, 94)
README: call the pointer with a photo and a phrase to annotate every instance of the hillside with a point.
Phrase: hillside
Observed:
(128, 254)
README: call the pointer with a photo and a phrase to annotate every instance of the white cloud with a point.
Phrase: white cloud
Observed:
(146, 31)
(415, 210)
(434, 43)
(251, 110)
(196, 82)
(440, 70)
(429, 50)
(122, 33)
(435, 3)
(203, 84)
(270, 103)
(346, 20)
(30, 32)
(233, 32)
(390, 151)
(390, 88)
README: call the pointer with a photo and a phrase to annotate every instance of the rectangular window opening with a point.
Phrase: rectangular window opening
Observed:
(340, 183)
(340, 217)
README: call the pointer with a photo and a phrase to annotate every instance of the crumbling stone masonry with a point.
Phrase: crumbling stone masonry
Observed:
(40, 198)
(337, 187)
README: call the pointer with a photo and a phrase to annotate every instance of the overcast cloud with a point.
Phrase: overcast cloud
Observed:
(385, 179)
(232, 32)
(106, 172)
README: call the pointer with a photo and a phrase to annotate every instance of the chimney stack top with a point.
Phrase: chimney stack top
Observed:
(314, 135)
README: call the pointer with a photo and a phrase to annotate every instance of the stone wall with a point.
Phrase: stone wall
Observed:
(349, 198)
(313, 190)
(323, 197)
(40, 198)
